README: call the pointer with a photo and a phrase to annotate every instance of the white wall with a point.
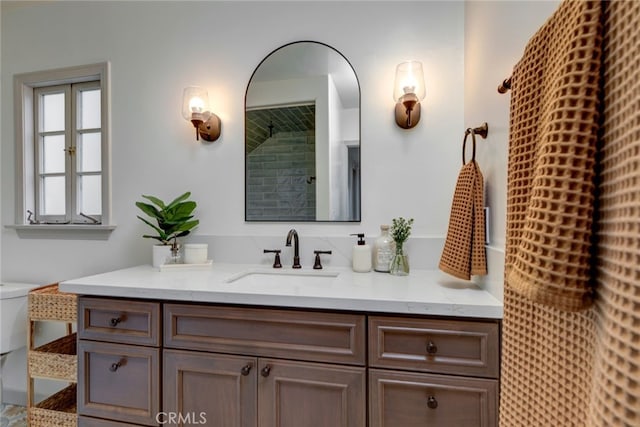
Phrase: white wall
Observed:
(2, 78)
(158, 48)
(496, 33)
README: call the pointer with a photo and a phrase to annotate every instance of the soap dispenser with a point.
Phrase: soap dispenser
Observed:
(361, 258)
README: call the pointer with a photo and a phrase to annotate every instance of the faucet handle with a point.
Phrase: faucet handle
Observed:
(317, 265)
(276, 261)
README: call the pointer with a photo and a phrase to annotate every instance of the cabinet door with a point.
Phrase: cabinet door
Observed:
(97, 422)
(405, 399)
(299, 394)
(209, 389)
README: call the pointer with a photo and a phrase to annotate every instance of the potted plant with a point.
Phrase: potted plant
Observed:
(400, 231)
(172, 220)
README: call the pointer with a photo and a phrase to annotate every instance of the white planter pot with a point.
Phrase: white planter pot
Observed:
(160, 254)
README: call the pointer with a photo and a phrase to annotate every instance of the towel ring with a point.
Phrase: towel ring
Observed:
(464, 146)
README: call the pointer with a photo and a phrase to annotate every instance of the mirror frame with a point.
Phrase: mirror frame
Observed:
(359, 186)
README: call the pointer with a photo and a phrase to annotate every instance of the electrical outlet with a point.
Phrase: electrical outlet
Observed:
(486, 225)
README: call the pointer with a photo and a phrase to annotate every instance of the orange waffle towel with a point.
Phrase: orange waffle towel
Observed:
(552, 152)
(464, 252)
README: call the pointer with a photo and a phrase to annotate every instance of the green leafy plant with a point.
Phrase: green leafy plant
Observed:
(400, 229)
(173, 220)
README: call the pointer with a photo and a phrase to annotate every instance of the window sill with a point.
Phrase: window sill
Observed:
(63, 231)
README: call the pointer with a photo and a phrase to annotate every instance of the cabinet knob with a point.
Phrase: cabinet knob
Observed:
(432, 402)
(246, 369)
(265, 371)
(432, 348)
(114, 321)
(114, 366)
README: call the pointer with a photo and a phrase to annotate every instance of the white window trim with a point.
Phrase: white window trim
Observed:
(24, 85)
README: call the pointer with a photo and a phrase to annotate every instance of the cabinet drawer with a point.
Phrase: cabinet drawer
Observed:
(121, 321)
(321, 337)
(402, 399)
(433, 345)
(119, 382)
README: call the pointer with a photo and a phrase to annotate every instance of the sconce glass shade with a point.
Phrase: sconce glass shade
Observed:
(408, 91)
(195, 106)
(409, 79)
(194, 101)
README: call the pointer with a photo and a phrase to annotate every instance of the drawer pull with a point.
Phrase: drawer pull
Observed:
(246, 369)
(432, 348)
(265, 371)
(432, 402)
(114, 366)
(114, 321)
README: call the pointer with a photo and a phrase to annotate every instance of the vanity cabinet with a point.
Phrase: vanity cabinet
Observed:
(433, 372)
(175, 364)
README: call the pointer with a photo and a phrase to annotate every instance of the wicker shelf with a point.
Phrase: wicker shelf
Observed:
(47, 303)
(55, 360)
(58, 410)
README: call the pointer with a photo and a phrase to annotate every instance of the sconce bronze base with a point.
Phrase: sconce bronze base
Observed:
(209, 129)
(408, 111)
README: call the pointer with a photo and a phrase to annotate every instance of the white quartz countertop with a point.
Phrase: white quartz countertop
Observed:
(426, 292)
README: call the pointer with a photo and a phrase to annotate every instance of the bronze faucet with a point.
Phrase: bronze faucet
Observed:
(296, 248)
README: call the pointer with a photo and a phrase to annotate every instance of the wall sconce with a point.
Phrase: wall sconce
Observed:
(195, 101)
(408, 91)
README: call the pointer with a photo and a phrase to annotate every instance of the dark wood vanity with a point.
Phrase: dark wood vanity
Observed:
(167, 363)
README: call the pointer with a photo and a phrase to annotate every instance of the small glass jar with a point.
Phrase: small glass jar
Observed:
(175, 257)
(400, 262)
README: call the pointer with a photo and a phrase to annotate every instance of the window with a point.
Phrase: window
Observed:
(62, 143)
(67, 153)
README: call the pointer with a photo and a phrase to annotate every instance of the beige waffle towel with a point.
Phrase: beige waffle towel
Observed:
(552, 150)
(464, 252)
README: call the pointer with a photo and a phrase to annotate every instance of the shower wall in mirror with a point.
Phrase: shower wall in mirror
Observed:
(302, 137)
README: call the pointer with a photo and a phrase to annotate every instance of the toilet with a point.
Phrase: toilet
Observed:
(13, 319)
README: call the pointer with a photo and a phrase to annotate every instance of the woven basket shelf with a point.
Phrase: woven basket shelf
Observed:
(47, 303)
(56, 359)
(58, 410)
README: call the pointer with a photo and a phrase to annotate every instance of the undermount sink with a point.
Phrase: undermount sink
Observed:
(278, 277)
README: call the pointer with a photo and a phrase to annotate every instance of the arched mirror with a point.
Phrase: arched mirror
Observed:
(302, 136)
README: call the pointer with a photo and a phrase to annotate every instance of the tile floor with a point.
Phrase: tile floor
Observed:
(13, 416)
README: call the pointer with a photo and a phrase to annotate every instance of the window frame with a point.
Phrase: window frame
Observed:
(25, 90)
(38, 156)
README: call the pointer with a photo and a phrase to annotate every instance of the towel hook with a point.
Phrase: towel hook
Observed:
(482, 130)
(504, 86)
